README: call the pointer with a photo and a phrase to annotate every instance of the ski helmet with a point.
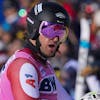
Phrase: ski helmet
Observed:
(45, 11)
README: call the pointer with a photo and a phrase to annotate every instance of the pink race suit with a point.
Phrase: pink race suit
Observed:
(26, 77)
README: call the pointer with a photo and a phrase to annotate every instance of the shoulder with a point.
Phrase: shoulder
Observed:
(22, 73)
(20, 65)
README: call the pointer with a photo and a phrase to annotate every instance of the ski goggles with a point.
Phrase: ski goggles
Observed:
(51, 30)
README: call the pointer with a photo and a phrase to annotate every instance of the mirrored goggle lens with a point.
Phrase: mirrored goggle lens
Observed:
(50, 30)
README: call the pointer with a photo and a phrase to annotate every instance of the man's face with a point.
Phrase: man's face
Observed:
(48, 46)
(51, 35)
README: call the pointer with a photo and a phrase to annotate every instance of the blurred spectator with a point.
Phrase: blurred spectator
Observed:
(10, 9)
(92, 76)
(94, 55)
(93, 79)
(8, 26)
(3, 54)
(68, 76)
(95, 29)
(60, 59)
(12, 48)
(8, 33)
(1, 32)
(90, 10)
(1, 11)
(92, 71)
(61, 56)
(27, 4)
(58, 72)
(67, 51)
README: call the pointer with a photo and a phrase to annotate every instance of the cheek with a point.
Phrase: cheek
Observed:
(44, 41)
(43, 45)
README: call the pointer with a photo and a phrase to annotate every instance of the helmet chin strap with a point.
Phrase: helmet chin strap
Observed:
(38, 44)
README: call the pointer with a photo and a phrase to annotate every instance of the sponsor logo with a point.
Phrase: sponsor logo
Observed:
(48, 85)
(38, 8)
(28, 75)
(29, 80)
(60, 15)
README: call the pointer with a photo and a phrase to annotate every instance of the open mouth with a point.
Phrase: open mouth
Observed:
(51, 45)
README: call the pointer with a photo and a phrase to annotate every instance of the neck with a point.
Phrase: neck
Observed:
(31, 44)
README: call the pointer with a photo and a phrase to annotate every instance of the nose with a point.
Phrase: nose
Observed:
(56, 39)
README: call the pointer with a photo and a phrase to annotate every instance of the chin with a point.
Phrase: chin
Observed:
(52, 55)
(49, 55)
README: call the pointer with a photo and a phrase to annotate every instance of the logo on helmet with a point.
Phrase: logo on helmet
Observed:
(38, 8)
(60, 15)
(32, 22)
